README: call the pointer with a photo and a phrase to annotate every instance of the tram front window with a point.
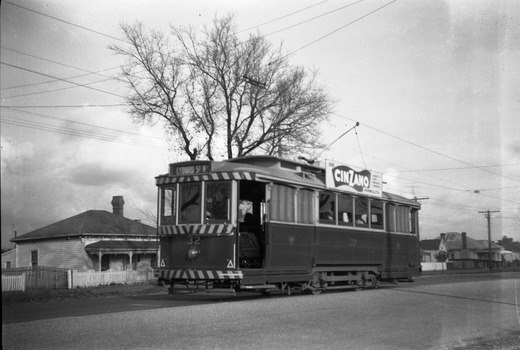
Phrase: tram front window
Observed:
(189, 203)
(218, 196)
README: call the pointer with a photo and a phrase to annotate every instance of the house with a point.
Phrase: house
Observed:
(93, 240)
(432, 249)
(462, 251)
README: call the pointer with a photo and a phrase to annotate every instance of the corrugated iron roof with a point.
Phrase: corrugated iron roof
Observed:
(91, 222)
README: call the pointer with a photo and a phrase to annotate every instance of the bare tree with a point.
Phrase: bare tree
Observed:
(220, 95)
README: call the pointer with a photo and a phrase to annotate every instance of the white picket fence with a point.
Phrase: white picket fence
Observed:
(74, 279)
(94, 279)
(433, 266)
(13, 283)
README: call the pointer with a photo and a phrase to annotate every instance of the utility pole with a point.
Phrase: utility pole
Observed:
(488, 217)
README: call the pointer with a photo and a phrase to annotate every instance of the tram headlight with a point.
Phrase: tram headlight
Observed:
(193, 253)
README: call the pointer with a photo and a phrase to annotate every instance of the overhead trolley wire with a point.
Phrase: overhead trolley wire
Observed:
(63, 21)
(313, 18)
(476, 166)
(65, 80)
(285, 16)
(335, 30)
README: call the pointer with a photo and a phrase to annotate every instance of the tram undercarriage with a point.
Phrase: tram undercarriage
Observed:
(266, 282)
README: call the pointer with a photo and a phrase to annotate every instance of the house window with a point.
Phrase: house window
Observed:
(7, 264)
(34, 258)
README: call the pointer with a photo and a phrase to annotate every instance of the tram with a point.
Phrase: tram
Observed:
(264, 223)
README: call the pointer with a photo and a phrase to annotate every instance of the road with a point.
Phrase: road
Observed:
(478, 313)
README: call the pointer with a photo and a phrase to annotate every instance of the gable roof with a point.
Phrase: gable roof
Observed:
(91, 222)
(454, 242)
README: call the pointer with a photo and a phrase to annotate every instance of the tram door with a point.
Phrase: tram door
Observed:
(251, 226)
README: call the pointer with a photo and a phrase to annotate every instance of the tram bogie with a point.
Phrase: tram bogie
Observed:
(266, 223)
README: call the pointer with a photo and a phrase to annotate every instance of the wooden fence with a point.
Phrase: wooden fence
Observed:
(93, 279)
(40, 277)
(35, 277)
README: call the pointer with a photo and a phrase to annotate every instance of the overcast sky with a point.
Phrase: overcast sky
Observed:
(435, 86)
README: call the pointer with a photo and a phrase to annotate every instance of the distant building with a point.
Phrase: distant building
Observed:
(462, 251)
(93, 240)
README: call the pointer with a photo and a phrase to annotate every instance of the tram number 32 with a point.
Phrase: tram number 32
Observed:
(194, 240)
(353, 242)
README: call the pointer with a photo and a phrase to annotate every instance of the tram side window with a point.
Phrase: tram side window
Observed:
(218, 202)
(376, 214)
(390, 217)
(189, 203)
(327, 208)
(168, 209)
(414, 224)
(282, 203)
(305, 207)
(402, 219)
(361, 210)
(345, 210)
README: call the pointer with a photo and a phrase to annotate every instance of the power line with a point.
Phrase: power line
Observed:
(483, 168)
(66, 106)
(80, 123)
(285, 16)
(72, 132)
(63, 21)
(61, 64)
(313, 18)
(338, 29)
(65, 80)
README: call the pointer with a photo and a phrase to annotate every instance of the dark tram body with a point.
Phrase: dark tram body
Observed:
(266, 223)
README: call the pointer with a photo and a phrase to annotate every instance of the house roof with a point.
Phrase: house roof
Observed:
(150, 246)
(454, 242)
(91, 222)
(430, 244)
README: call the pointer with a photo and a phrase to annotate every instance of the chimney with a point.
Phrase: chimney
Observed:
(464, 241)
(117, 205)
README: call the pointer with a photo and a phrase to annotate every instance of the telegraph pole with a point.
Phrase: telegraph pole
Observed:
(488, 217)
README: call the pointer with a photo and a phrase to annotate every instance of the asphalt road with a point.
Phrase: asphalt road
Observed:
(436, 313)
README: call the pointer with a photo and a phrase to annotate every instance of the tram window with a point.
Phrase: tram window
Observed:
(327, 208)
(361, 210)
(376, 214)
(189, 202)
(414, 215)
(390, 217)
(402, 219)
(218, 196)
(282, 203)
(305, 207)
(168, 210)
(345, 209)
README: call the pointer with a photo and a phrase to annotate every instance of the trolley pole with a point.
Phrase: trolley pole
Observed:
(488, 217)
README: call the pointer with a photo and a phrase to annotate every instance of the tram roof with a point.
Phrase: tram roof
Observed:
(277, 168)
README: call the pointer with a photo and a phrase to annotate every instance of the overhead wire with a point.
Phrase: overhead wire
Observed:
(282, 17)
(63, 21)
(483, 168)
(334, 31)
(313, 18)
(61, 79)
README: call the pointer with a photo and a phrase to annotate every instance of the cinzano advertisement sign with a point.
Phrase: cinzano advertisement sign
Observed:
(343, 177)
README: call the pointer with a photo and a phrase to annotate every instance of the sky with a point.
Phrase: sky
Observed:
(435, 86)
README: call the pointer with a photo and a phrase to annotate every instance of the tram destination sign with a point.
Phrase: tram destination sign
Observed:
(190, 168)
(343, 177)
